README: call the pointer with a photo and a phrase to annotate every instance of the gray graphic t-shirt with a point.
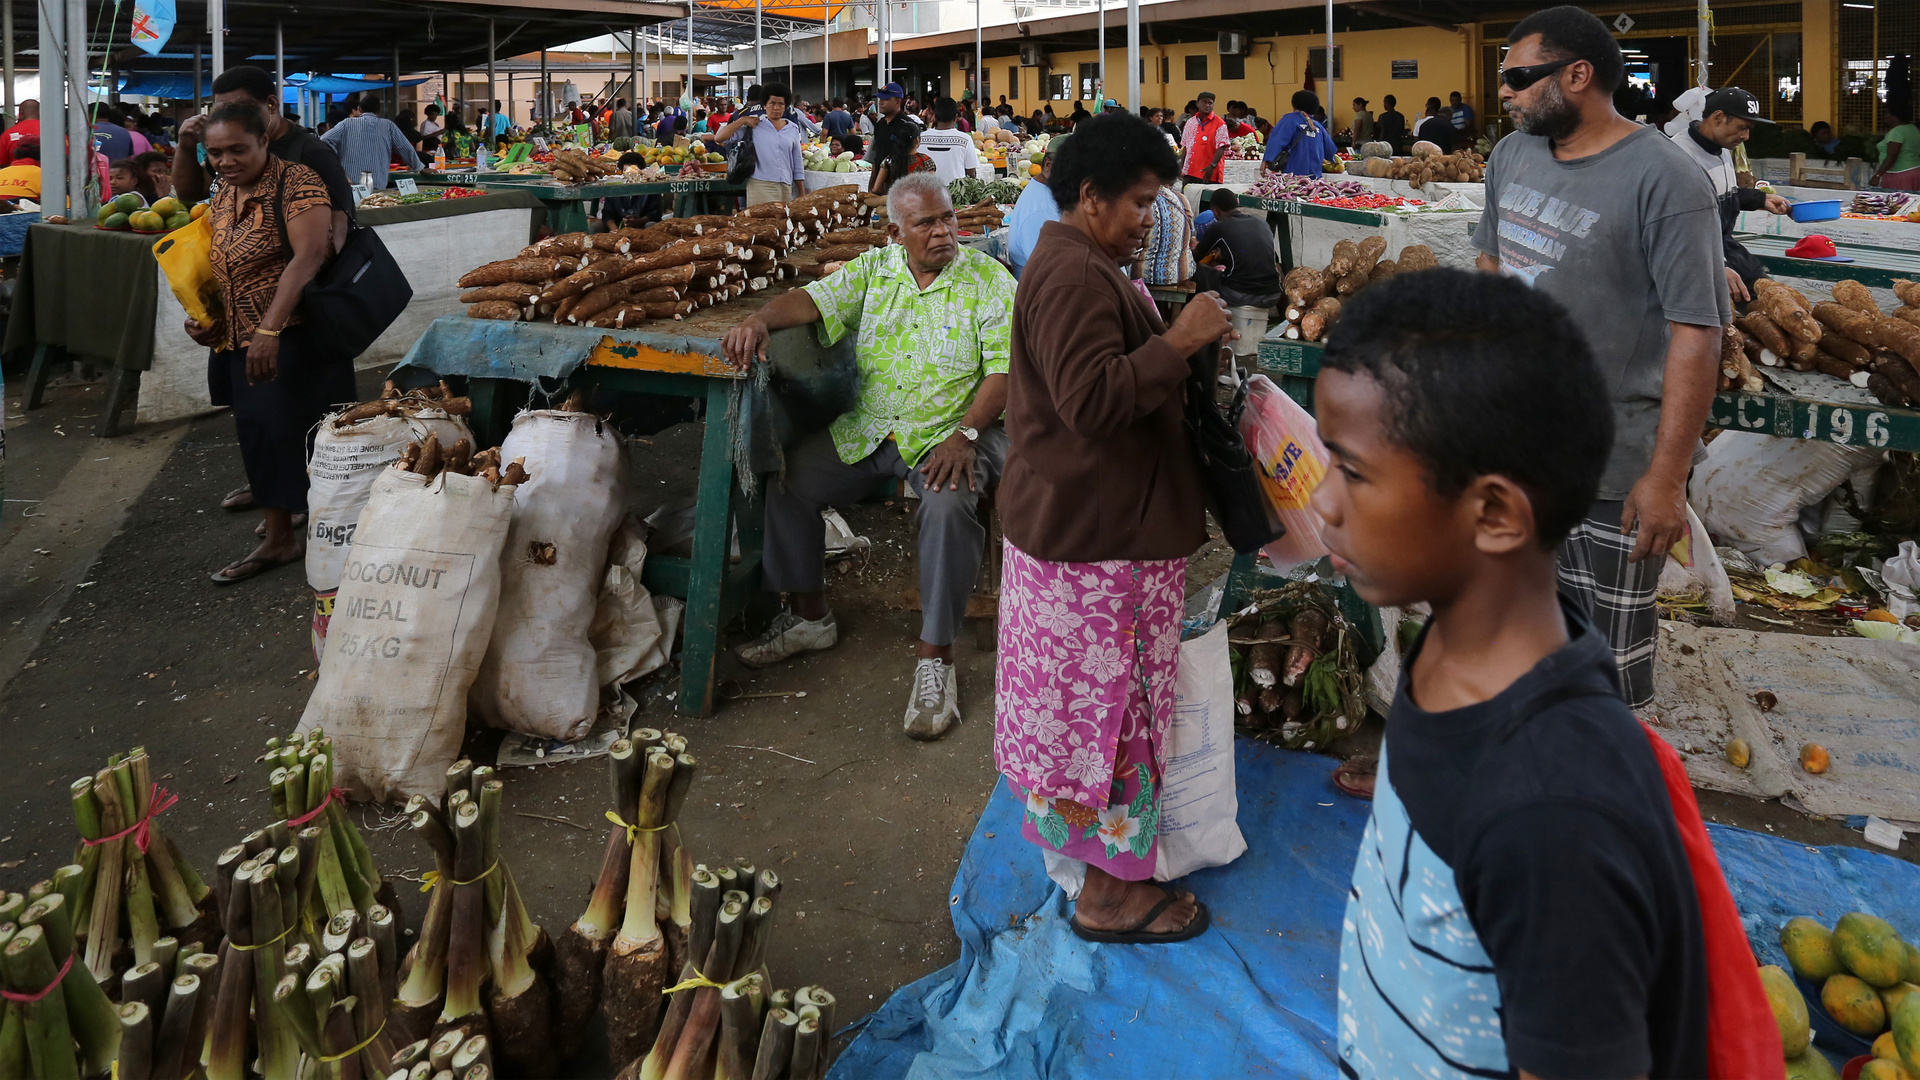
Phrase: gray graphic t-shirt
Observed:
(1628, 240)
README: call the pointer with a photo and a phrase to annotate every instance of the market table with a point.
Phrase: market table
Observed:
(566, 203)
(1448, 232)
(1872, 266)
(746, 420)
(87, 292)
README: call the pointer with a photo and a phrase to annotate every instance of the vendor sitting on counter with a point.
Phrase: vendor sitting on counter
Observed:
(1728, 122)
(933, 338)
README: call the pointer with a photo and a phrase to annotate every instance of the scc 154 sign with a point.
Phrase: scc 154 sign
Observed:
(1796, 419)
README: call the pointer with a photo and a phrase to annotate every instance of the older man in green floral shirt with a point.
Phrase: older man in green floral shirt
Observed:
(932, 329)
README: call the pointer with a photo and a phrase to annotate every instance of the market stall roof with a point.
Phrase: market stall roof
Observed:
(362, 35)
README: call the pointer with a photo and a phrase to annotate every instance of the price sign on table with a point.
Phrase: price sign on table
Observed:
(406, 186)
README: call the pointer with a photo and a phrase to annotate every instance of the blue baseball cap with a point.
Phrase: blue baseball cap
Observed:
(892, 89)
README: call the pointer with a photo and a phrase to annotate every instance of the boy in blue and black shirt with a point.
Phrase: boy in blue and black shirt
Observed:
(1522, 901)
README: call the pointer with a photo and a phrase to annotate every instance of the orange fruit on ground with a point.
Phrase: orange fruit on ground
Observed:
(1814, 759)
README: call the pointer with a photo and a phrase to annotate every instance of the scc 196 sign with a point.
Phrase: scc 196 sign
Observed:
(1796, 419)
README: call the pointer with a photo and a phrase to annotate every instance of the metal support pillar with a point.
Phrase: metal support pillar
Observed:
(688, 95)
(1703, 31)
(1100, 35)
(52, 42)
(492, 94)
(1134, 100)
(217, 27)
(6, 33)
(83, 180)
(279, 65)
(1328, 99)
(759, 63)
(826, 53)
(979, 54)
(633, 75)
(393, 109)
(197, 95)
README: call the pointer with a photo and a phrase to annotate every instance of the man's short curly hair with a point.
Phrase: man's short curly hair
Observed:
(1112, 152)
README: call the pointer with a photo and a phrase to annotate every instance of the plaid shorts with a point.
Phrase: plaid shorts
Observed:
(1617, 594)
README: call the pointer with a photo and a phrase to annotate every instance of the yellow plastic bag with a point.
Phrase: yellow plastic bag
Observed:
(185, 255)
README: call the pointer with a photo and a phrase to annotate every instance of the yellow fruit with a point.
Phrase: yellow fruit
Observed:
(1893, 995)
(1854, 1005)
(1812, 1065)
(1789, 1009)
(1869, 948)
(1814, 759)
(1883, 1047)
(1033, 170)
(1809, 949)
(1906, 1034)
(1739, 755)
(199, 211)
(1883, 1069)
(168, 207)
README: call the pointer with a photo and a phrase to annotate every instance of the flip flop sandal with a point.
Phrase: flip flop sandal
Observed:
(1348, 775)
(240, 498)
(259, 566)
(299, 520)
(1138, 934)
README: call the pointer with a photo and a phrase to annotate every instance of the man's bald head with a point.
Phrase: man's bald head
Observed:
(30, 109)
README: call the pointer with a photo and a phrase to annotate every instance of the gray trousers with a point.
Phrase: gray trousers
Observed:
(952, 539)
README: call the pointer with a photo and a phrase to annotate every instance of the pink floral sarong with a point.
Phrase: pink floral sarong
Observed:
(1084, 699)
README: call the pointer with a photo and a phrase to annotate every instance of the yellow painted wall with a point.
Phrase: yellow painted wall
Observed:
(1819, 76)
(1367, 62)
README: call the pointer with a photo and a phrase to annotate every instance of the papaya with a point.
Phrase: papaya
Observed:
(106, 211)
(199, 211)
(169, 206)
(1882, 1069)
(1910, 971)
(1812, 1065)
(1854, 1005)
(179, 221)
(1789, 1009)
(128, 203)
(1906, 1033)
(1883, 1047)
(1868, 946)
(115, 221)
(1809, 949)
(1893, 995)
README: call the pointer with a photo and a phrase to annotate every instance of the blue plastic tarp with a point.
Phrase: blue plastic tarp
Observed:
(1252, 997)
(1255, 995)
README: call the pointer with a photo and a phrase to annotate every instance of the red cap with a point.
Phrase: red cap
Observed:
(1813, 246)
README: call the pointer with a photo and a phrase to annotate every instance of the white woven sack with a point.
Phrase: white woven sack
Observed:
(412, 618)
(538, 677)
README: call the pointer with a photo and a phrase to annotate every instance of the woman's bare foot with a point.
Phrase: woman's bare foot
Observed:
(1108, 903)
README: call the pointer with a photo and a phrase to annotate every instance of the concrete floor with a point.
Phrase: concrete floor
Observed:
(111, 636)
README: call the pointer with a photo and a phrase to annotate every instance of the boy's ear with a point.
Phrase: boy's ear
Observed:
(1503, 520)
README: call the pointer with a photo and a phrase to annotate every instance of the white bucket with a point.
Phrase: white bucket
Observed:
(1251, 324)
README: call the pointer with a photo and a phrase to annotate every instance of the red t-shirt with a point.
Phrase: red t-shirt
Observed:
(1203, 141)
(24, 131)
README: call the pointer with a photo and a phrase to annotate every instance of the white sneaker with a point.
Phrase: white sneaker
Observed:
(787, 636)
(936, 699)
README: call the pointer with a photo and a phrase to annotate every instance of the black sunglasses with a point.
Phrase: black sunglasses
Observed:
(1519, 78)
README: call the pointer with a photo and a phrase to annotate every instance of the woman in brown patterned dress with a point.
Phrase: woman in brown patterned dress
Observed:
(270, 236)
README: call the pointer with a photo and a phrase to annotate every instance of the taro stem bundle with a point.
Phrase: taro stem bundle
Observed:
(736, 958)
(520, 1003)
(134, 887)
(337, 1011)
(57, 1017)
(301, 780)
(582, 949)
(637, 963)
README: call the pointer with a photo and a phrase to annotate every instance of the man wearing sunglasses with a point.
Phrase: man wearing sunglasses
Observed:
(1613, 220)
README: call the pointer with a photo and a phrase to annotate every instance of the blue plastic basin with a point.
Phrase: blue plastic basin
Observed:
(1816, 210)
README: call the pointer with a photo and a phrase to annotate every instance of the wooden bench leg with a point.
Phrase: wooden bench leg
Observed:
(44, 357)
(123, 392)
(713, 518)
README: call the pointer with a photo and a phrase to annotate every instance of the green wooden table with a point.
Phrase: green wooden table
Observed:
(1876, 267)
(566, 203)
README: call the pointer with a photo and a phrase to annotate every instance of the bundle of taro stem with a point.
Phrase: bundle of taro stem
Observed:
(294, 985)
(479, 966)
(134, 886)
(722, 1021)
(617, 955)
(469, 1058)
(345, 878)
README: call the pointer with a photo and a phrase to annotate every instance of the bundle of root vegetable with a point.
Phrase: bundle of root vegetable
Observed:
(1427, 165)
(577, 167)
(1313, 297)
(664, 272)
(393, 402)
(430, 459)
(1296, 676)
(724, 1019)
(479, 967)
(983, 216)
(468, 1058)
(290, 994)
(133, 886)
(618, 954)
(1848, 338)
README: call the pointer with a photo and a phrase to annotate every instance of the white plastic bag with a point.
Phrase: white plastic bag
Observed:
(340, 474)
(1752, 487)
(1285, 441)
(1199, 805)
(414, 612)
(632, 631)
(1693, 566)
(538, 677)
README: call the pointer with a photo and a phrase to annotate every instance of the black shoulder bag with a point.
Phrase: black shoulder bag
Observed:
(1228, 473)
(745, 158)
(358, 292)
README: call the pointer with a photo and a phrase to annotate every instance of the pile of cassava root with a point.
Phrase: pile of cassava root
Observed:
(392, 402)
(1314, 296)
(430, 459)
(1848, 338)
(670, 269)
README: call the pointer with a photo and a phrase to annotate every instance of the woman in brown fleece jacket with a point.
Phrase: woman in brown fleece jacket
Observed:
(1101, 504)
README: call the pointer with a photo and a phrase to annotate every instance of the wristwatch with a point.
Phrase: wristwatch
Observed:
(972, 435)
